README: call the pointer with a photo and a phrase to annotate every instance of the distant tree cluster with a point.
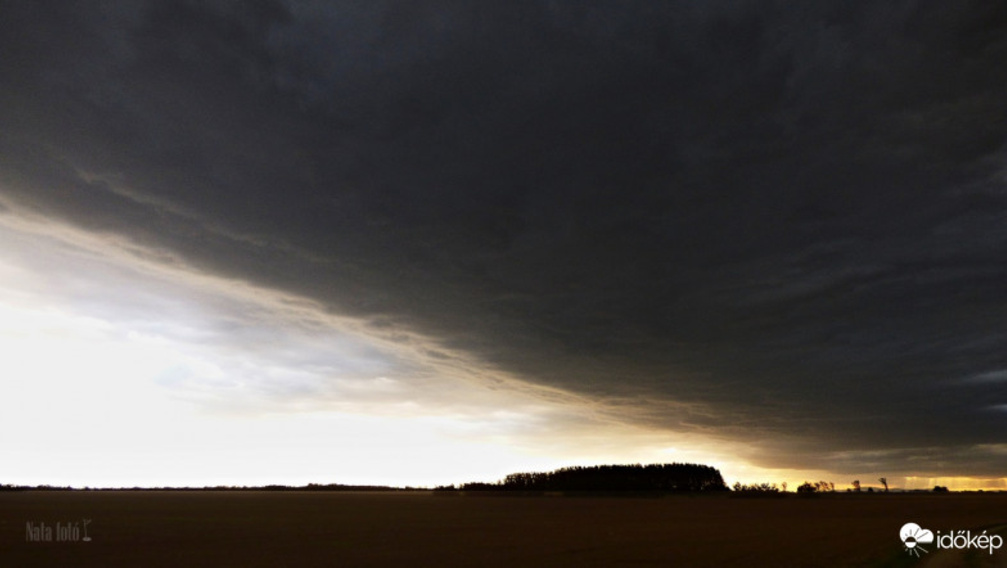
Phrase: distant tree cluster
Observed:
(335, 487)
(817, 487)
(739, 487)
(9, 487)
(675, 477)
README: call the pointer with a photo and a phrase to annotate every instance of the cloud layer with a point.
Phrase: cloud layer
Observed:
(780, 226)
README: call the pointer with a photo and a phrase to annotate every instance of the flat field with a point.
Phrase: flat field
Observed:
(275, 529)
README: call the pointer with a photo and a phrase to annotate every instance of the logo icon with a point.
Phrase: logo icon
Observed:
(914, 536)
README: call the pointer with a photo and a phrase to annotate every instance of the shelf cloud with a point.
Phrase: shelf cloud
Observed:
(778, 228)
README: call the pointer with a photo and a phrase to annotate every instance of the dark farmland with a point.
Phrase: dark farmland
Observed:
(261, 528)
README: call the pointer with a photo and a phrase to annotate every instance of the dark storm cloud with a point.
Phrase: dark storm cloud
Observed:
(791, 218)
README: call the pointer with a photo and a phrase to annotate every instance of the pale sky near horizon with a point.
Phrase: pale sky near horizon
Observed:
(416, 243)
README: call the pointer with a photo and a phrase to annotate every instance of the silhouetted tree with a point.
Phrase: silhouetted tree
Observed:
(856, 485)
(884, 481)
(825, 486)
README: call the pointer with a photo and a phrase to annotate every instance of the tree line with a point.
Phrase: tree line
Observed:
(308, 487)
(674, 477)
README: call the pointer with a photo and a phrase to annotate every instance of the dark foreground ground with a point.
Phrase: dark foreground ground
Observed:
(337, 529)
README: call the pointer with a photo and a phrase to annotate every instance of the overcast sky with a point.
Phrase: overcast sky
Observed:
(461, 239)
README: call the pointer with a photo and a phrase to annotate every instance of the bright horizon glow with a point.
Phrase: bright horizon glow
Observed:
(119, 374)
